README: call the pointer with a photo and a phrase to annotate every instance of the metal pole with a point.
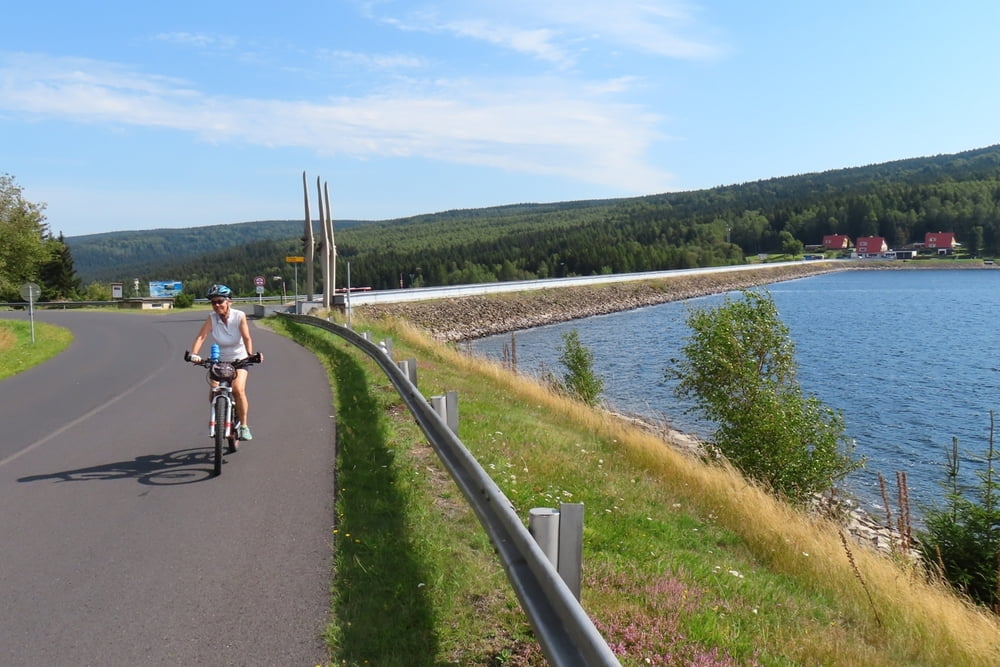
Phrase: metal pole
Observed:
(31, 314)
(347, 296)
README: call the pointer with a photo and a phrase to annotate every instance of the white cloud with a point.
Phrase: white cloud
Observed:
(198, 40)
(536, 42)
(528, 126)
(556, 31)
(376, 61)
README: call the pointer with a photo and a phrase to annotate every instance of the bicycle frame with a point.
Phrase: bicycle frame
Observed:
(223, 392)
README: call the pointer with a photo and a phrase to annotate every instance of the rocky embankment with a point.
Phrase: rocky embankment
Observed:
(478, 316)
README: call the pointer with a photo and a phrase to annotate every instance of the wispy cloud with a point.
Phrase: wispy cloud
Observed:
(559, 31)
(198, 40)
(375, 61)
(528, 126)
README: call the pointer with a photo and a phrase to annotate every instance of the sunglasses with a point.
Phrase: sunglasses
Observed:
(218, 303)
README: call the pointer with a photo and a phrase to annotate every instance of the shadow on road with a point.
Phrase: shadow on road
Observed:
(184, 466)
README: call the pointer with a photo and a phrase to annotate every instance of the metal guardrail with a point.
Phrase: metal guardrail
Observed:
(56, 305)
(565, 632)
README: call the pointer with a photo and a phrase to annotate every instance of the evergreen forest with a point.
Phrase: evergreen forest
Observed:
(900, 201)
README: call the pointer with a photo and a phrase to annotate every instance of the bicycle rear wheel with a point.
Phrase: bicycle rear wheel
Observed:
(220, 433)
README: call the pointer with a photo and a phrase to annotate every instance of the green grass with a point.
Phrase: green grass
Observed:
(17, 351)
(684, 562)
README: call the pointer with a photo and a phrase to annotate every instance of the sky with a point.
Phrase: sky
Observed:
(133, 115)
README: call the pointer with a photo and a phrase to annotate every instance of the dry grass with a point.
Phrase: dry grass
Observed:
(7, 339)
(915, 620)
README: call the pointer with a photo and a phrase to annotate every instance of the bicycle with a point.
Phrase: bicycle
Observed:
(223, 424)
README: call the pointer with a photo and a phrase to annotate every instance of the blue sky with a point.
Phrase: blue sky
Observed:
(131, 115)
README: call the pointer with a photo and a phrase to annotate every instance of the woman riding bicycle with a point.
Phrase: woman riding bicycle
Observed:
(230, 330)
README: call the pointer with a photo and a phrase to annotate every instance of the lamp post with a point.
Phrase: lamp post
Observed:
(276, 279)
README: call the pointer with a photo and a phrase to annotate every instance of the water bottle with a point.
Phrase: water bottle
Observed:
(215, 352)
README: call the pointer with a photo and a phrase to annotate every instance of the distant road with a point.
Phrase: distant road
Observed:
(118, 547)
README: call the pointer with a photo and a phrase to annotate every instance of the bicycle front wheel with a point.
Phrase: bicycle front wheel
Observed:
(220, 433)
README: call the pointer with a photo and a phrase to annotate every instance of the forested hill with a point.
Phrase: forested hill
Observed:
(112, 255)
(900, 200)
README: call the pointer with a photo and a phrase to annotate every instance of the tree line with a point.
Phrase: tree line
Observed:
(28, 250)
(900, 201)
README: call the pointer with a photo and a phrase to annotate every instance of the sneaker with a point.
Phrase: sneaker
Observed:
(245, 433)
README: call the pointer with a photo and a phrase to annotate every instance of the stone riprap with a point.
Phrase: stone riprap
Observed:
(465, 318)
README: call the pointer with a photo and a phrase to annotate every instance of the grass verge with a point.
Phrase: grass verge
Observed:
(684, 563)
(19, 353)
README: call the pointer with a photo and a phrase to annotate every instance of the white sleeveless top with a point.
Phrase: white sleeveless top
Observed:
(227, 335)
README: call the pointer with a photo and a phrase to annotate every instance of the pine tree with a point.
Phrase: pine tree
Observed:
(57, 276)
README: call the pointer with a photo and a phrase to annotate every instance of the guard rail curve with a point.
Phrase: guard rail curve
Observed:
(566, 634)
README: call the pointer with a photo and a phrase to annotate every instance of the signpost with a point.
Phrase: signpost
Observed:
(30, 293)
(259, 284)
(296, 260)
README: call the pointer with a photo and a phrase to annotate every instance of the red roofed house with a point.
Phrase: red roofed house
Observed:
(943, 242)
(870, 246)
(836, 241)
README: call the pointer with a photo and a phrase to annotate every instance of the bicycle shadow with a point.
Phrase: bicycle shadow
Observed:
(184, 466)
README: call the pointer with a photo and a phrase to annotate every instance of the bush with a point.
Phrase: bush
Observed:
(739, 368)
(183, 300)
(579, 380)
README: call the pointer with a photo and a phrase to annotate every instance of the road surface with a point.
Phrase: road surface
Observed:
(118, 547)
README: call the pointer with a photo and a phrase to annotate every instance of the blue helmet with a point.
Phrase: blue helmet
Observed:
(219, 290)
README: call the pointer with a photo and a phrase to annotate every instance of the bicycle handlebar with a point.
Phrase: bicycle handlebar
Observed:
(255, 358)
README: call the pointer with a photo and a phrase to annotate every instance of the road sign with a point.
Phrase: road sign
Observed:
(295, 260)
(258, 281)
(30, 292)
(260, 289)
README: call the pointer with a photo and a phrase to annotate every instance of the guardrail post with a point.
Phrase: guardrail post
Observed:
(440, 407)
(543, 524)
(447, 408)
(409, 368)
(559, 534)
(451, 404)
(570, 563)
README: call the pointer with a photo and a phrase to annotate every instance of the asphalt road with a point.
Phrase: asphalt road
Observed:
(118, 547)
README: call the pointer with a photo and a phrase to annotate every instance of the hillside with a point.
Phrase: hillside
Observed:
(900, 200)
(111, 255)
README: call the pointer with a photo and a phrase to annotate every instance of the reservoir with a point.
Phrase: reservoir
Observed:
(908, 356)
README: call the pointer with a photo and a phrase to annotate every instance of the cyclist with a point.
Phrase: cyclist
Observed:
(230, 330)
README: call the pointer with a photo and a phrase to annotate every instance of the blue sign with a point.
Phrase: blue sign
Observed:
(165, 288)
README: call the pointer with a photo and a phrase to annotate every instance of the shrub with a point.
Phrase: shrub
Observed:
(183, 300)
(739, 368)
(579, 380)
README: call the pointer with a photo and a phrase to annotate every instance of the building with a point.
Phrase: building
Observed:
(940, 242)
(836, 242)
(870, 246)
